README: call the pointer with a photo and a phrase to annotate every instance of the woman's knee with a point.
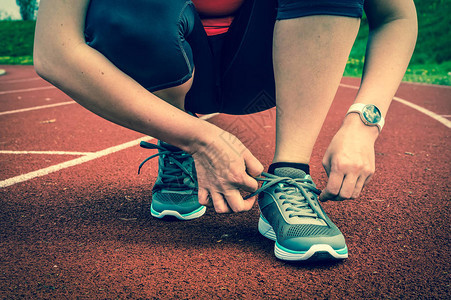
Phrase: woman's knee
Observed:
(146, 39)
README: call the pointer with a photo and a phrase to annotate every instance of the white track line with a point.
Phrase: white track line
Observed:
(423, 110)
(70, 163)
(429, 85)
(35, 108)
(78, 161)
(20, 80)
(349, 86)
(431, 114)
(45, 152)
(28, 90)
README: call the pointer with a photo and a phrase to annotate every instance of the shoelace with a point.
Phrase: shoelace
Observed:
(173, 169)
(297, 193)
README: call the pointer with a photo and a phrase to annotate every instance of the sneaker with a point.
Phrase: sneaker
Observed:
(292, 216)
(175, 190)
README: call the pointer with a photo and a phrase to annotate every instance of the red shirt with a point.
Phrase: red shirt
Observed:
(217, 15)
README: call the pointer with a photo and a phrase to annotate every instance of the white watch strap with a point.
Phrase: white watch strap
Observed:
(381, 123)
(358, 108)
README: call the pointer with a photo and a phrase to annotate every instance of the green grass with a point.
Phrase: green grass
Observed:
(431, 61)
(16, 43)
(431, 73)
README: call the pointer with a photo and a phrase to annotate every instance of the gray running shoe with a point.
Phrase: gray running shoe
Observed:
(292, 216)
(175, 190)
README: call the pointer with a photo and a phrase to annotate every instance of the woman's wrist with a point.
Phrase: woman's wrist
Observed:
(203, 133)
(353, 122)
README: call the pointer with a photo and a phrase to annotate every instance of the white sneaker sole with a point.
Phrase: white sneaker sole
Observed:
(193, 215)
(316, 252)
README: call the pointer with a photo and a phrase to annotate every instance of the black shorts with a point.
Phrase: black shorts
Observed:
(161, 43)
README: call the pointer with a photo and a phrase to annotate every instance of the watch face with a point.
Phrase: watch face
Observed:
(371, 114)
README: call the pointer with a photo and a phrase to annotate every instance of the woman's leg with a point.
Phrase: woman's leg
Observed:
(157, 44)
(310, 55)
(311, 47)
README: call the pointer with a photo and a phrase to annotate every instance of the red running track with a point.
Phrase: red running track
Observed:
(85, 231)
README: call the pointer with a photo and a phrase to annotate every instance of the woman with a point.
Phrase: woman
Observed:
(142, 64)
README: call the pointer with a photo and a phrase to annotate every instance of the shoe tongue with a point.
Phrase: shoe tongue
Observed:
(289, 172)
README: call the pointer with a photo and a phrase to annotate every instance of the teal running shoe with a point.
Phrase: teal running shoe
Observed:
(292, 216)
(175, 190)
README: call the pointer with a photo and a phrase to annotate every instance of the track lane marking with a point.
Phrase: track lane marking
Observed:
(423, 110)
(70, 163)
(46, 152)
(429, 85)
(35, 108)
(28, 90)
(20, 80)
(80, 160)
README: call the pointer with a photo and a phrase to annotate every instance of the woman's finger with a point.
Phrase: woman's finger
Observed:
(220, 204)
(333, 187)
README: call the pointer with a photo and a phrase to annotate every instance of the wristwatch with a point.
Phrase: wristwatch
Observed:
(369, 114)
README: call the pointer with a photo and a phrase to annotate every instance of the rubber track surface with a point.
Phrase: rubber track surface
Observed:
(86, 231)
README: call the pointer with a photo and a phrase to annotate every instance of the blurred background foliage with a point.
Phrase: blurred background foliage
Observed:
(431, 62)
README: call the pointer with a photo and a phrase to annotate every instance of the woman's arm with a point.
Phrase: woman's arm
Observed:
(392, 37)
(349, 160)
(63, 58)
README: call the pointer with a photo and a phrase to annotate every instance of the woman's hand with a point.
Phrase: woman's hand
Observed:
(224, 166)
(349, 160)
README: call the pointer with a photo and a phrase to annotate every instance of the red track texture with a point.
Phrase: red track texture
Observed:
(86, 231)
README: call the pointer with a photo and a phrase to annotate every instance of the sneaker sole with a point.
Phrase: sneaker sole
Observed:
(189, 216)
(316, 252)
